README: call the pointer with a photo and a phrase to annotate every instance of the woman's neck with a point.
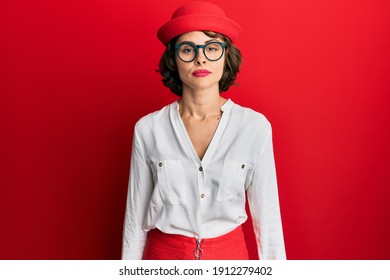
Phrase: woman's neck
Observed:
(201, 105)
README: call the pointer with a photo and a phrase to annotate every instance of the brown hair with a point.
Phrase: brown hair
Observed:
(170, 74)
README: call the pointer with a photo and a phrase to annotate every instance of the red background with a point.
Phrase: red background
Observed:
(76, 76)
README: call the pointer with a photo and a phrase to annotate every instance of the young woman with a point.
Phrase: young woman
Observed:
(194, 161)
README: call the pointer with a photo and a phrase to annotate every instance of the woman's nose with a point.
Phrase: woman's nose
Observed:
(200, 58)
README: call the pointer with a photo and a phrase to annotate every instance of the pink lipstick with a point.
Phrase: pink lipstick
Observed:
(200, 73)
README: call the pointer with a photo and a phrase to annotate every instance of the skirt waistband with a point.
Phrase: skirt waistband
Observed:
(163, 246)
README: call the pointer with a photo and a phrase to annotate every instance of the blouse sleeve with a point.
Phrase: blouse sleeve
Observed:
(138, 196)
(264, 205)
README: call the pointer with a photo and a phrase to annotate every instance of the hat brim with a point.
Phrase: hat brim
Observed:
(198, 22)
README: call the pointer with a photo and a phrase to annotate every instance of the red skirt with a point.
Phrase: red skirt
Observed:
(162, 246)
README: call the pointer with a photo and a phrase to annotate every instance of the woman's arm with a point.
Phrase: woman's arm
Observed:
(264, 205)
(138, 196)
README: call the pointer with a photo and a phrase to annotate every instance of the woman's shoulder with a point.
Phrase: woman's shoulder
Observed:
(154, 118)
(249, 116)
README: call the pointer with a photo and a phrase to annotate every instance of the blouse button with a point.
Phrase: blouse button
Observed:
(202, 195)
(200, 169)
(243, 166)
(160, 164)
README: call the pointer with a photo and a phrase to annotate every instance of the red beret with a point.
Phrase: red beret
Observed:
(198, 15)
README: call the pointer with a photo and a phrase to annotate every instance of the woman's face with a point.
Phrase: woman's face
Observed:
(201, 73)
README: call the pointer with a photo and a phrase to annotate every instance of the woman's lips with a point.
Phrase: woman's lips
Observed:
(200, 73)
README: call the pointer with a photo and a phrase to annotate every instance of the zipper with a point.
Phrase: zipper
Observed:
(198, 252)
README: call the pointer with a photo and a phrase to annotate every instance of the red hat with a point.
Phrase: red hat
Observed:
(196, 16)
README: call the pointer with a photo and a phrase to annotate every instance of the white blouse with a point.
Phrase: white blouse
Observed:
(171, 189)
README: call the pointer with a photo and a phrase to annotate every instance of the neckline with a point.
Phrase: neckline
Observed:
(225, 106)
(210, 150)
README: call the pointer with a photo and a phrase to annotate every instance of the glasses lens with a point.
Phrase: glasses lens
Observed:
(213, 51)
(186, 52)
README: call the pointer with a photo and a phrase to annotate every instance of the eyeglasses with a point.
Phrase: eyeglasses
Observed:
(188, 51)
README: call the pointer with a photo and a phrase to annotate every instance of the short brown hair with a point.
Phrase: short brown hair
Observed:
(170, 74)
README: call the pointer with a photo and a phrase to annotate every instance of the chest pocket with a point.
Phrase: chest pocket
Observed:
(232, 182)
(169, 179)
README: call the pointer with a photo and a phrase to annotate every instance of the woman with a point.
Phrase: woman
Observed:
(194, 161)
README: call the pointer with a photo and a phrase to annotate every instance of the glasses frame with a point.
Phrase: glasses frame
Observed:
(197, 47)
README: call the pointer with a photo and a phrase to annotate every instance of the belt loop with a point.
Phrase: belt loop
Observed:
(198, 252)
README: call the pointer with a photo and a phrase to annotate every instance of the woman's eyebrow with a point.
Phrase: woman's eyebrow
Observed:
(208, 41)
(186, 42)
(212, 40)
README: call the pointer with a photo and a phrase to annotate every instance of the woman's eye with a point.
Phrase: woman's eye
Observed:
(213, 47)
